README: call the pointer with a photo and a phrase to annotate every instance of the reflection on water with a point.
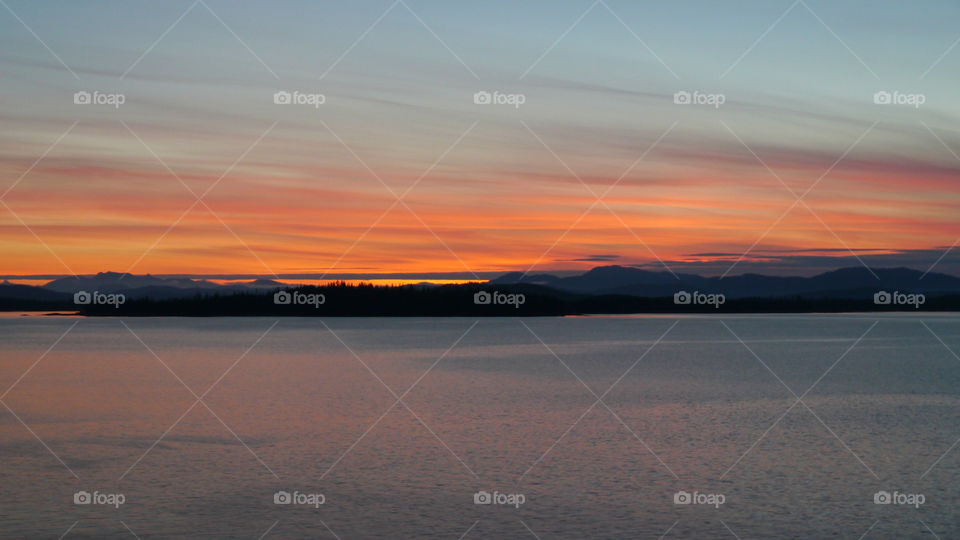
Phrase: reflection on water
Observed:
(209, 427)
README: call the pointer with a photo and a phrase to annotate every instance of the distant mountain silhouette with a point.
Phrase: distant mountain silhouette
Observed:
(606, 289)
(842, 283)
(137, 287)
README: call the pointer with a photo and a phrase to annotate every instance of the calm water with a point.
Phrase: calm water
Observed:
(499, 412)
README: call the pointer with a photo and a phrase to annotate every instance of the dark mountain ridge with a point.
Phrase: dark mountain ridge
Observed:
(842, 283)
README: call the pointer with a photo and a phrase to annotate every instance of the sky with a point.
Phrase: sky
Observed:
(788, 160)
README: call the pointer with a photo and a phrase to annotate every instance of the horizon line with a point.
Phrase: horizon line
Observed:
(426, 276)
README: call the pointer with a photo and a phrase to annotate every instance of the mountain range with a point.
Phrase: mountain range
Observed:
(622, 285)
(14, 296)
(842, 283)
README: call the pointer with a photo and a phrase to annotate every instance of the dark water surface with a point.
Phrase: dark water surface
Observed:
(505, 406)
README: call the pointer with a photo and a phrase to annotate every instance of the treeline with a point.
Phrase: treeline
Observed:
(344, 300)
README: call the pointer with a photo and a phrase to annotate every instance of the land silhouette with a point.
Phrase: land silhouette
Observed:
(602, 290)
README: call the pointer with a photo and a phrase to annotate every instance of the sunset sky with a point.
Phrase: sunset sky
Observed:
(301, 189)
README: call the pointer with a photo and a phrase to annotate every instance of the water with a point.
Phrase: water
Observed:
(498, 412)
